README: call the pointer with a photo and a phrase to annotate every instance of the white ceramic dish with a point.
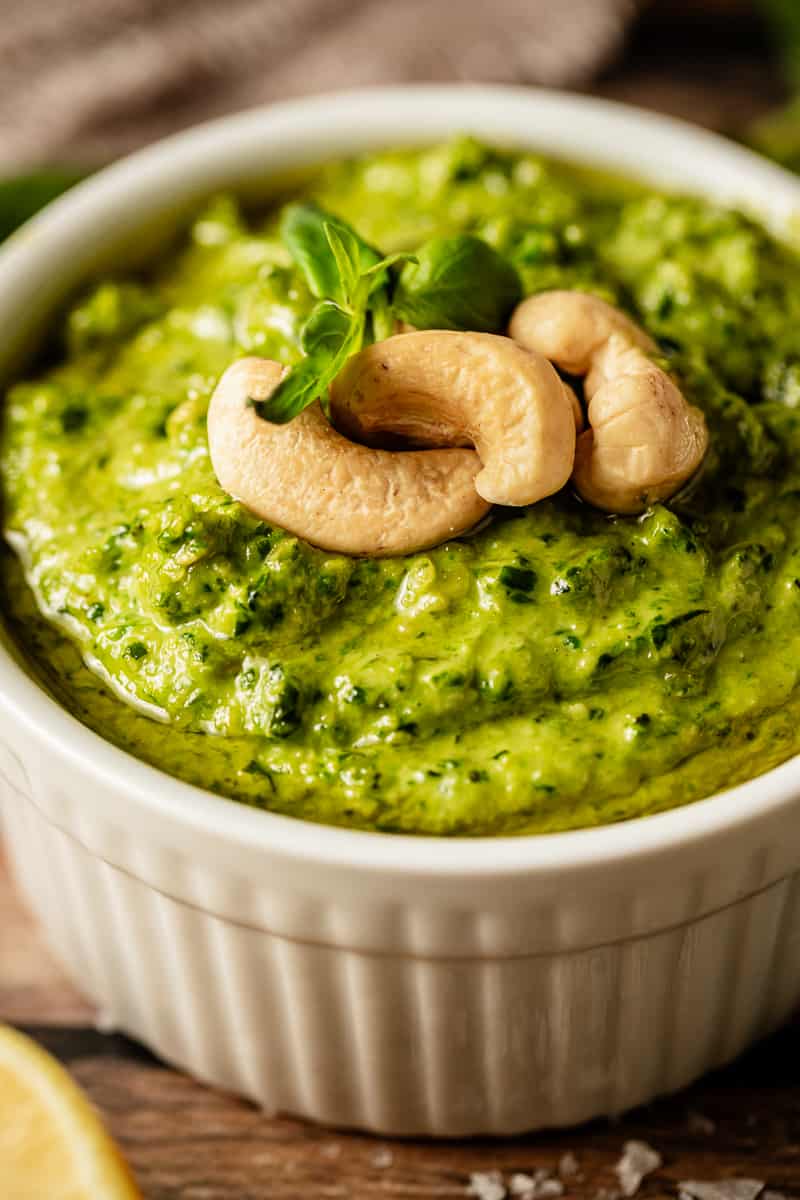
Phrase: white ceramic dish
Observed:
(404, 985)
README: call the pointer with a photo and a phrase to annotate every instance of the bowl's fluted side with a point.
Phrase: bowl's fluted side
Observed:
(395, 1042)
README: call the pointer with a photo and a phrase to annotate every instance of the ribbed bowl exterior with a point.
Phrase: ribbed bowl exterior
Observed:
(402, 1043)
(409, 986)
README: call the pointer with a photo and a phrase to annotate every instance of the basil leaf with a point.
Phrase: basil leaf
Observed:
(380, 307)
(378, 270)
(326, 328)
(457, 283)
(357, 286)
(303, 232)
(329, 336)
(345, 250)
(382, 316)
(294, 393)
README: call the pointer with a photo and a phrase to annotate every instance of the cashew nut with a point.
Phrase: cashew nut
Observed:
(309, 479)
(444, 388)
(570, 327)
(577, 411)
(644, 440)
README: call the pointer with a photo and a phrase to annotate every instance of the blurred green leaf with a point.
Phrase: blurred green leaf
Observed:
(21, 196)
(783, 23)
(777, 134)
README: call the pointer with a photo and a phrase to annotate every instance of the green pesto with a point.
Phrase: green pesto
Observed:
(557, 668)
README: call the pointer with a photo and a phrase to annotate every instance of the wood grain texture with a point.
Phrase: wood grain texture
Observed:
(187, 1141)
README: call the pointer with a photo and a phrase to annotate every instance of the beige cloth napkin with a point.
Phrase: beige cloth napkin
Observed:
(82, 81)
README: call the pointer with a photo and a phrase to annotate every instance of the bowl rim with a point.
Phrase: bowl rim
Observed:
(766, 187)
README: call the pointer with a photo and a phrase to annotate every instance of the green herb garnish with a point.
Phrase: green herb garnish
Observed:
(326, 265)
(331, 256)
(451, 283)
(457, 283)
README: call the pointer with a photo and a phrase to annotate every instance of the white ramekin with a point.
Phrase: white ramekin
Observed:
(404, 985)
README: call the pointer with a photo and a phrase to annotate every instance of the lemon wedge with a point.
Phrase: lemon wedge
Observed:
(52, 1142)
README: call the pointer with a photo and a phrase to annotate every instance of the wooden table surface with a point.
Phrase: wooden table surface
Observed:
(184, 1140)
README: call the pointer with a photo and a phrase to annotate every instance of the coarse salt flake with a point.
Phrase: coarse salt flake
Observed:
(487, 1185)
(722, 1189)
(638, 1160)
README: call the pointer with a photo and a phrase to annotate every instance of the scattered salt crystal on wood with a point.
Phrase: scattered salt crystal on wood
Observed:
(568, 1166)
(487, 1185)
(699, 1123)
(721, 1189)
(539, 1186)
(381, 1158)
(548, 1189)
(638, 1160)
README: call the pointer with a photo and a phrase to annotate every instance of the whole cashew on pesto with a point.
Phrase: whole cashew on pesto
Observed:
(448, 389)
(309, 479)
(439, 387)
(644, 440)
